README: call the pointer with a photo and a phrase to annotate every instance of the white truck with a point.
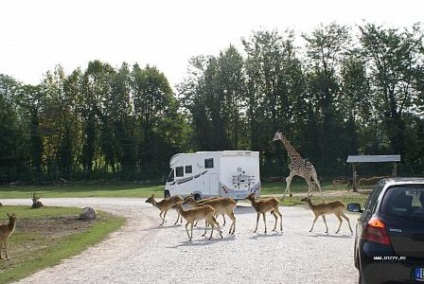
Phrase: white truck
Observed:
(232, 173)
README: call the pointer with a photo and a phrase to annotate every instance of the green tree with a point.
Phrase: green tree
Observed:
(326, 47)
(155, 108)
(69, 148)
(392, 56)
(123, 146)
(12, 145)
(275, 93)
(193, 103)
(232, 81)
(91, 103)
(54, 117)
(31, 103)
(355, 103)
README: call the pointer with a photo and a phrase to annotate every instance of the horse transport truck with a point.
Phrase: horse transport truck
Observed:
(231, 173)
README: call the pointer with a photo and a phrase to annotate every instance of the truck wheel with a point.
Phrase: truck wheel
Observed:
(197, 197)
(166, 194)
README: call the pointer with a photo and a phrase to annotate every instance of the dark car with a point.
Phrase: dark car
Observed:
(389, 242)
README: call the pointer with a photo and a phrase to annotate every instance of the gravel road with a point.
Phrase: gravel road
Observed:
(144, 252)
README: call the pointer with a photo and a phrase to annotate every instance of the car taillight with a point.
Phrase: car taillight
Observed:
(375, 231)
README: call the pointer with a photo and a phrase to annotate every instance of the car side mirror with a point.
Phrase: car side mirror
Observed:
(354, 207)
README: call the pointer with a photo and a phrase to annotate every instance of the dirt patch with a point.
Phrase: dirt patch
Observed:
(330, 193)
(347, 193)
(55, 226)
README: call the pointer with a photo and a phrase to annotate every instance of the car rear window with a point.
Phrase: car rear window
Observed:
(405, 201)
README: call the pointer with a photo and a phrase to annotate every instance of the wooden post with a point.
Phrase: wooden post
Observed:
(354, 179)
(394, 169)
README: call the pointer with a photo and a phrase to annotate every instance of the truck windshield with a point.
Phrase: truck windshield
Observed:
(170, 176)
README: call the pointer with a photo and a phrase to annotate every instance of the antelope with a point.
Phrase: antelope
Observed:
(36, 203)
(201, 202)
(204, 212)
(164, 205)
(5, 231)
(321, 209)
(222, 205)
(266, 205)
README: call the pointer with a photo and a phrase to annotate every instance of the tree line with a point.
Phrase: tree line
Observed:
(334, 92)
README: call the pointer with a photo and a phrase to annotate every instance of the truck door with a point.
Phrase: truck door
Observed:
(213, 184)
(170, 185)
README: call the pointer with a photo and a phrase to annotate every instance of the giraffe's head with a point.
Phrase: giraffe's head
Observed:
(278, 136)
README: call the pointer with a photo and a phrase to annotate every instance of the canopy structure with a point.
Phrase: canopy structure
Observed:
(372, 159)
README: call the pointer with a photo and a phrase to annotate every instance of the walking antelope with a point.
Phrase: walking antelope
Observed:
(266, 205)
(164, 206)
(334, 207)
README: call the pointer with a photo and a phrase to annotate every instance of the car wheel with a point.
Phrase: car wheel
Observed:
(166, 194)
(355, 259)
(197, 197)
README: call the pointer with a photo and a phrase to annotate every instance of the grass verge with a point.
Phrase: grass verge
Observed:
(133, 190)
(43, 237)
(143, 191)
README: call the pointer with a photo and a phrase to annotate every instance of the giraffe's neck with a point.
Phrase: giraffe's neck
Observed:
(291, 152)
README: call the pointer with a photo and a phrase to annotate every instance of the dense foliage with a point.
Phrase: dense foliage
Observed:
(340, 93)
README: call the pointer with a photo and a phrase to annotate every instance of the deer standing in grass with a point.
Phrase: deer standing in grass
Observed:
(164, 206)
(266, 205)
(36, 203)
(334, 207)
(5, 231)
(222, 205)
(204, 212)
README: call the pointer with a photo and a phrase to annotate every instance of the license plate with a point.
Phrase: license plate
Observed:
(419, 274)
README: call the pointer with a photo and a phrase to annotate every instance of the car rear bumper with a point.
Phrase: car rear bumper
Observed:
(390, 271)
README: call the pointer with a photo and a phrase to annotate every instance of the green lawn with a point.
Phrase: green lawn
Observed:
(81, 190)
(143, 191)
(125, 190)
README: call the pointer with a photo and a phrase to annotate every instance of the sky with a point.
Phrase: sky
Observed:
(35, 36)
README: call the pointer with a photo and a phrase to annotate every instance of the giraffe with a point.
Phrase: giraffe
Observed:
(298, 166)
